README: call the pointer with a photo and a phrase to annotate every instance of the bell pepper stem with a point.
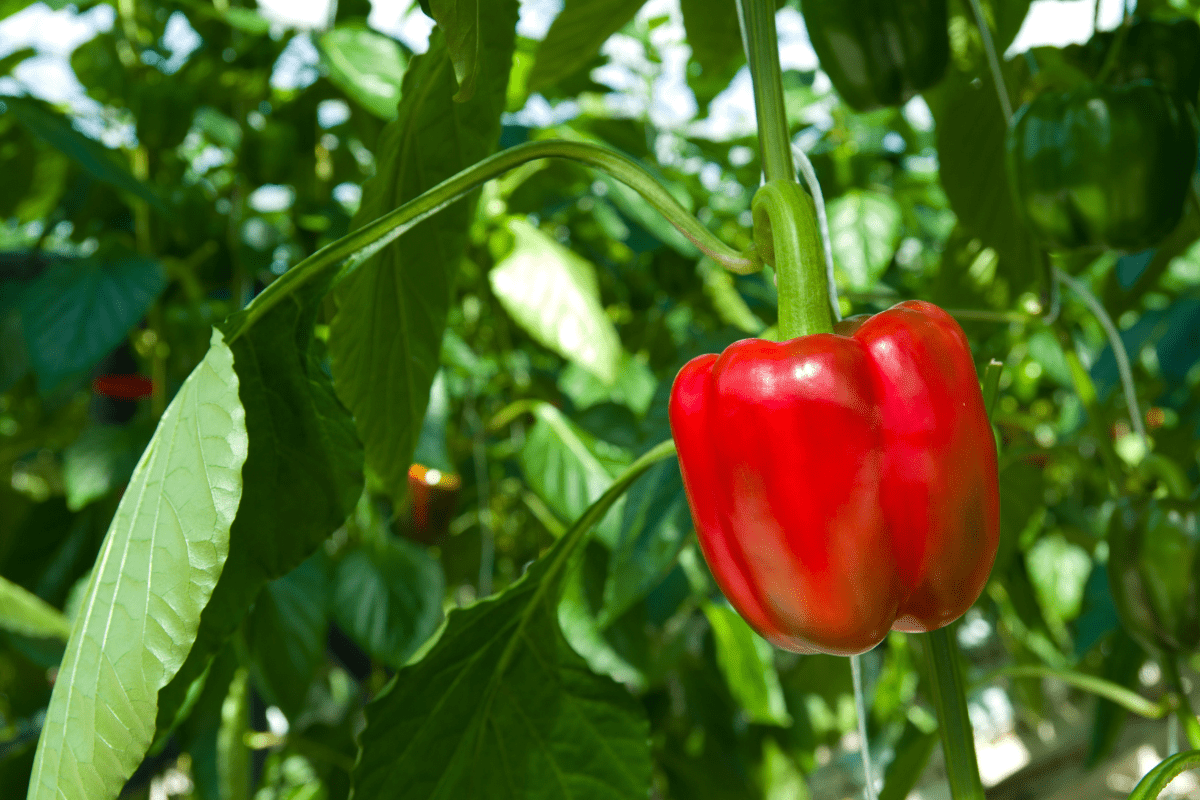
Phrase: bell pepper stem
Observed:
(757, 19)
(1183, 706)
(954, 725)
(805, 168)
(786, 235)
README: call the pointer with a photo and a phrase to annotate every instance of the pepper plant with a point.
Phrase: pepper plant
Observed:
(344, 376)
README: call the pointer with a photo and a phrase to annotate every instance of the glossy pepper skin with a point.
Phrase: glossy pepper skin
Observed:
(1102, 166)
(879, 52)
(1154, 573)
(842, 484)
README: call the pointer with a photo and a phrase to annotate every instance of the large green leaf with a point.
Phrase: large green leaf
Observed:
(366, 65)
(155, 573)
(748, 663)
(78, 310)
(568, 468)
(387, 597)
(501, 707)
(23, 612)
(459, 19)
(575, 37)
(715, 37)
(864, 229)
(286, 632)
(553, 295)
(96, 159)
(387, 334)
(303, 475)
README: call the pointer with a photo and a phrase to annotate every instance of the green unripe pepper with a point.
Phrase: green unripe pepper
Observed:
(879, 52)
(1102, 165)
(1154, 573)
(1166, 52)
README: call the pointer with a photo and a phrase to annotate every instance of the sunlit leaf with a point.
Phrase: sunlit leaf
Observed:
(366, 65)
(748, 663)
(864, 229)
(24, 613)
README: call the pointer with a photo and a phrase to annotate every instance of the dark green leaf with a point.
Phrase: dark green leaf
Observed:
(388, 598)
(576, 35)
(303, 474)
(56, 130)
(78, 310)
(286, 633)
(912, 754)
(716, 41)
(459, 19)
(387, 334)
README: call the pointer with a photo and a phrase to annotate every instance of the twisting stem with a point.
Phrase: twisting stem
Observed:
(949, 697)
(1118, 347)
(357, 246)
(757, 19)
(805, 168)
(989, 47)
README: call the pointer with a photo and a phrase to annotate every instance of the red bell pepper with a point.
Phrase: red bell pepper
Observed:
(842, 483)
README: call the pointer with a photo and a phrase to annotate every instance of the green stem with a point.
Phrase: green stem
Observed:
(357, 246)
(786, 235)
(757, 18)
(949, 697)
(989, 47)
(1123, 697)
(1183, 706)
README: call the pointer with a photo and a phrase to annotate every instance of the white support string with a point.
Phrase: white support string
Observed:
(805, 169)
(860, 707)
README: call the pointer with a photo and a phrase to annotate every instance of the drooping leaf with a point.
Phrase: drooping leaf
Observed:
(501, 707)
(24, 613)
(575, 37)
(459, 19)
(387, 334)
(387, 597)
(864, 229)
(554, 296)
(155, 573)
(96, 159)
(366, 65)
(748, 663)
(78, 310)
(568, 468)
(286, 633)
(303, 474)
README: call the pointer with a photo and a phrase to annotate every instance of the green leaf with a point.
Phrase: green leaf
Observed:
(864, 229)
(303, 475)
(155, 572)
(286, 633)
(1156, 780)
(634, 388)
(568, 468)
(78, 310)
(459, 19)
(554, 296)
(1059, 571)
(388, 598)
(95, 159)
(748, 663)
(971, 131)
(912, 754)
(102, 458)
(367, 66)
(233, 756)
(723, 294)
(575, 37)
(780, 777)
(714, 34)
(654, 529)
(501, 707)
(23, 612)
(387, 335)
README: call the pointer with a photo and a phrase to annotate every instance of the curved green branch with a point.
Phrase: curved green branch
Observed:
(356, 247)
(1125, 698)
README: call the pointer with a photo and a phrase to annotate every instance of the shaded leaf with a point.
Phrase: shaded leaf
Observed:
(714, 34)
(101, 459)
(155, 573)
(386, 337)
(459, 19)
(575, 37)
(23, 612)
(286, 633)
(747, 662)
(388, 599)
(912, 754)
(554, 296)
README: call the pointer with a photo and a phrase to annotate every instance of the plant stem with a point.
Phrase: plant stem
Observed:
(805, 167)
(757, 18)
(786, 235)
(359, 245)
(954, 726)
(1125, 698)
(1183, 707)
(989, 47)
